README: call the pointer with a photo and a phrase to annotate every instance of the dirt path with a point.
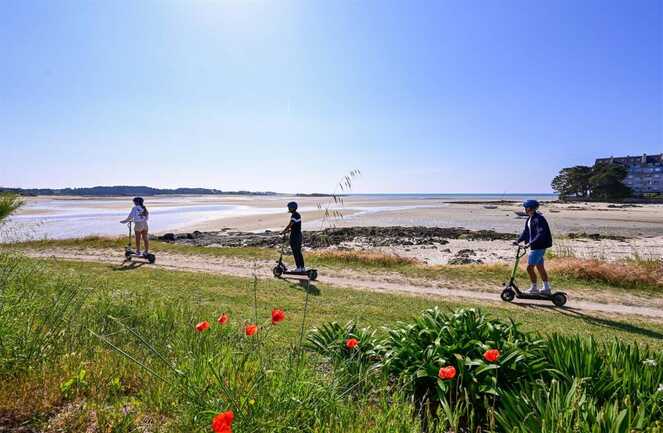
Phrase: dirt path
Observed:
(380, 282)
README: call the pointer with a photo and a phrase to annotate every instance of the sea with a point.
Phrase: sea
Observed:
(61, 218)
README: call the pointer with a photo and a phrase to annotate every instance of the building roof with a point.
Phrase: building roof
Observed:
(648, 159)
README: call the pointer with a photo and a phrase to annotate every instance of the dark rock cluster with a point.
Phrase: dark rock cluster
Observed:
(464, 257)
(364, 236)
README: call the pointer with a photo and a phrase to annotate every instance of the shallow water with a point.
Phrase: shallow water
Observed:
(60, 219)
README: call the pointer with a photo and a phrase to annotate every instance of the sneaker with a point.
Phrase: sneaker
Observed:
(546, 289)
(533, 290)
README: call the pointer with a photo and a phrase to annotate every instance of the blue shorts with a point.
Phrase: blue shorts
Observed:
(536, 257)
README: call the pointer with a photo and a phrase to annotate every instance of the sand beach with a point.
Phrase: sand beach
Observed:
(593, 230)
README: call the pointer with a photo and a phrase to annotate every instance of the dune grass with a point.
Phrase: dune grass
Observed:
(81, 381)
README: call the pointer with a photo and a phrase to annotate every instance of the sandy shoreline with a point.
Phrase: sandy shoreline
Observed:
(641, 225)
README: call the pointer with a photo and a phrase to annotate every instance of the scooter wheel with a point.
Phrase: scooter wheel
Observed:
(508, 295)
(151, 258)
(559, 299)
(277, 271)
(312, 274)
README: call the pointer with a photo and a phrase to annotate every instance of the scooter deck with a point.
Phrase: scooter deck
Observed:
(533, 296)
(298, 273)
(137, 256)
(130, 255)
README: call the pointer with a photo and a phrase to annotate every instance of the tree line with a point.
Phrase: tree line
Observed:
(603, 181)
(124, 190)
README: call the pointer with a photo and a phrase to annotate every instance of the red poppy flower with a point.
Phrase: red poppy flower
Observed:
(251, 329)
(447, 373)
(223, 319)
(491, 355)
(277, 316)
(351, 343)
(202, 326)
(223, 422)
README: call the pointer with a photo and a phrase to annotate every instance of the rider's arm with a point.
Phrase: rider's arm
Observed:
(287, 229)
(537, 229)
(130, 217)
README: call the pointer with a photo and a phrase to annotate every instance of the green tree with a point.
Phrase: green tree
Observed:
(8, 204)
(573, 181)
(607, 182)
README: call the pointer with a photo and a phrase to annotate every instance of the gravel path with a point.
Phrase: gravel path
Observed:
(379, 282)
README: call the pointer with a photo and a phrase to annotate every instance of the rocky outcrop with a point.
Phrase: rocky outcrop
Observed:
(358, 236)
(464, 257)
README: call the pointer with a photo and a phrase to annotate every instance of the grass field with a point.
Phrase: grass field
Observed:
(78, 381)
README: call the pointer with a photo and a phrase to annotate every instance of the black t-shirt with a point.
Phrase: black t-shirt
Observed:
(296, 229)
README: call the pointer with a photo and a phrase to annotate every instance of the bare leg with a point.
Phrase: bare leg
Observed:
(542, 271)
(146, 241)
(532, 274)
(137, 241)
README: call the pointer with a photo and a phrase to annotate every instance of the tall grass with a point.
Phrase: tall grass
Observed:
(361, 258)
(632, 273)
(33, 315)
(8, 204)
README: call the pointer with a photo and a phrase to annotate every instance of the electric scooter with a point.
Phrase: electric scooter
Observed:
(281, 269)
(129, 253)
(511, 290)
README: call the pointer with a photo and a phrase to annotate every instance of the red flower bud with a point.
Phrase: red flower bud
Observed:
(223, 422)
(447, 373)
(251, 329)
(351, 343)
(202, 326)
(277, 316)
(223, 319)
(491, 355)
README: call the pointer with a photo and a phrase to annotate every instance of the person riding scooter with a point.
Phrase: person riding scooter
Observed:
(537, 237)
(296, 238)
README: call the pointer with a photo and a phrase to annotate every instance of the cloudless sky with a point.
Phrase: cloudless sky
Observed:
(439, 96)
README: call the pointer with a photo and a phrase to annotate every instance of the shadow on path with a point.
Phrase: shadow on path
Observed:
(594, 320)
(128, 266)
(306, 286)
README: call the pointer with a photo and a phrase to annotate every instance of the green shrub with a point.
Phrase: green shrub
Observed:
(568, 406)
(352, 366)
(611, 372)
(415, 352)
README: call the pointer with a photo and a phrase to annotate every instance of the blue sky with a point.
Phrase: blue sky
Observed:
(466, 96)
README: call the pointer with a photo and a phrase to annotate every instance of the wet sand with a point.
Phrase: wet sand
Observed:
(644, 220)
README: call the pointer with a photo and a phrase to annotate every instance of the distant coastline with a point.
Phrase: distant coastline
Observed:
(125, 190)
(131, 191)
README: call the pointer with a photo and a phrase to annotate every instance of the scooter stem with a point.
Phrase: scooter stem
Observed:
(515, 265)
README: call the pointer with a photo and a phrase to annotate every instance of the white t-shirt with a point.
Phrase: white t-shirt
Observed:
(136, 214)
(529, 228)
